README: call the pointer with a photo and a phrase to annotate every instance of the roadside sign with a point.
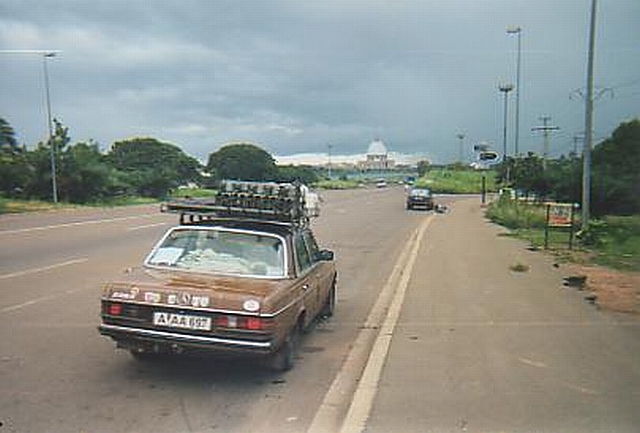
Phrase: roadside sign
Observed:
(560, 215)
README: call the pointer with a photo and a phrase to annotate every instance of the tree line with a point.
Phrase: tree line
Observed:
(143, 167)
(615, 171)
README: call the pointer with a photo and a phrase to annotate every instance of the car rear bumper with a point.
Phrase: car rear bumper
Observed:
(129, 337)
(424, 204)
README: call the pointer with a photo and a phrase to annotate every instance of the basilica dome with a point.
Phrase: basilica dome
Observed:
(377, 147)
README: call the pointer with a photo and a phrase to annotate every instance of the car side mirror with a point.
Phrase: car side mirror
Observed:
(326, 255)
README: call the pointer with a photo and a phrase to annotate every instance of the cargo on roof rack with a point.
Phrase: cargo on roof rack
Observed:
(264, 201)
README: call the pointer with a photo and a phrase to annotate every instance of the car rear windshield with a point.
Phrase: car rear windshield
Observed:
(221, 251)
(421, 192)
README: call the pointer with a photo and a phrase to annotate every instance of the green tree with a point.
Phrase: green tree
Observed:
(423, 167)
(564, 178)
(616, 172)
(242, 161)
(85, 175)
(527, 174)
(7, 136)
(38, 184)
(301, 173)
(152, 167)
(14, 170)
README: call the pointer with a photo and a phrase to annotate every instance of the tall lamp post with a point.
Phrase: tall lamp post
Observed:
(505, 88)
(52, 146)
(517, 31)
(588, 123)
(46, 54)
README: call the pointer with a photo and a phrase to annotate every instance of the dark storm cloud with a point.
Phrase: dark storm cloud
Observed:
(297, 76)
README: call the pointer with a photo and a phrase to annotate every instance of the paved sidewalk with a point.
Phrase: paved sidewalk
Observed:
(480, 348)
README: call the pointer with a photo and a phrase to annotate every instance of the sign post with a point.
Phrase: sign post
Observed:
(560, 215)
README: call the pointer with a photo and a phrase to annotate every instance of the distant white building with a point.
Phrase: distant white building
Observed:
(377, 157)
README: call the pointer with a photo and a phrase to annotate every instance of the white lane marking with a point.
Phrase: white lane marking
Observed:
(362, 403)
(145, 226)
(42, 269)
(532, 363)
(75, 224)
(26, 304)
(345, 381)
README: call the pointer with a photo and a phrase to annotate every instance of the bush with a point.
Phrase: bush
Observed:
(517, 215)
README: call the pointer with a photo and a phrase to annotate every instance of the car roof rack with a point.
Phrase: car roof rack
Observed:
(282, 203)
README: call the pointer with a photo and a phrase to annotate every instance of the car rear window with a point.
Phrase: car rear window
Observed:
(221, 251)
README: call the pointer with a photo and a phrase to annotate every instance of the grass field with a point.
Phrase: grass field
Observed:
(457, 181)
(21, 206)
(612, 241)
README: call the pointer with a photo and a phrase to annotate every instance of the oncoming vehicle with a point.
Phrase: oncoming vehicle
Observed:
(420, 198)
(241, 274)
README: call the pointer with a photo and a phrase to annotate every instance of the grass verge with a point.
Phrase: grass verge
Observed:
(452, 181)
(612, 241)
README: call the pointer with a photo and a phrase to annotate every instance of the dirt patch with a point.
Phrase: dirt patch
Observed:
(615, 290)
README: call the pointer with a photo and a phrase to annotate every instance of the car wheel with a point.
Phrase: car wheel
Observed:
(284, 358)
(143, 355)
(330, 304)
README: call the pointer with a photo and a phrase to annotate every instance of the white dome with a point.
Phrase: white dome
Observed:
(377, 147)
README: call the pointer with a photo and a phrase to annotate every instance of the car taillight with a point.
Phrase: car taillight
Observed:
(115, 309)
(239, 322)
(227, 321)
(254, 323)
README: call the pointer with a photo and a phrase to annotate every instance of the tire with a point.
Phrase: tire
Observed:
(143, 356)
(284, 358)
(329, 307)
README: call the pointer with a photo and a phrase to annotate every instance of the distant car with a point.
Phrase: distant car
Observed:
(381, 183)
(240, 274)
(420, 198)
(409, 180)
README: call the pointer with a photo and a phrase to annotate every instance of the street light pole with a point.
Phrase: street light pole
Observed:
(518, 31)
(46, 54)
(52, 145)
(505, 88)
(588, 123)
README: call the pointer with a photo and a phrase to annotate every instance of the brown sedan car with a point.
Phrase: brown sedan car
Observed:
(227, 279)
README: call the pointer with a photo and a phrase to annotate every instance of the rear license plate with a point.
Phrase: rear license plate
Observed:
(182, 321)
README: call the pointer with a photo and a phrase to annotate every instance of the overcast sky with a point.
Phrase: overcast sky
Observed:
(296, 76)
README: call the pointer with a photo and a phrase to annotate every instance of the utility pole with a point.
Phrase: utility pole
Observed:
(588, 123)
(546, 129)
(329, 146)
(460, 143)
(578, 138)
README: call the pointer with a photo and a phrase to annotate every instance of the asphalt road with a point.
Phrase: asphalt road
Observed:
(57, 374)
(474, 348)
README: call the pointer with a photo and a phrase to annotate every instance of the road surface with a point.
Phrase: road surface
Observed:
(473, 347)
